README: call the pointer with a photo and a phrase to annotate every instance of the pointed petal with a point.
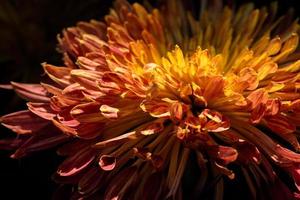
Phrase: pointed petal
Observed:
(77, 162)
(23, 122)
(42, 110)
(31, 92)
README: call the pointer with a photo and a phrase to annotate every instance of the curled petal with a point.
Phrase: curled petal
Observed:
(257, 97)
(60, 75)
(247, 79)
(85, 78)
(107, 163)
(87, 112)
(273, 106)
(87, 64)
(288, 157)
(225, 171)
(109, 112)
(143, 153)
(42, 110)
(153, 128)
(247, 152)
(223, 154)
(176, 111)
(77, 162)
(89, 130)
(217, 122)
(258, 113)
(156, 108)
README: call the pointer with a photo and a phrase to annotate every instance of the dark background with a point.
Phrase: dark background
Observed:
(28, 31)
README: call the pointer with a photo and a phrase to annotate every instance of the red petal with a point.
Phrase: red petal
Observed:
(258, 113)
(223, 154)
(224, 170)
(46, 138)
(116, 140)
(283, 128)
(107, 163)
(156, 108)
(91, 181)
(176, 111)
(89, 130)
(295, 172)
(273, 106)
(42, 110)
(31, 92)
(77, 162)
(217, 122)
(87, 112)
(247, 152)
(87, 79)
(6, 86)
(23, 122)
(280, 124)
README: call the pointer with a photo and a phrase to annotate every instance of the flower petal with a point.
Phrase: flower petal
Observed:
(31, 92)
(23, 122)
(42, 110)
(107, 163)
(77, 162)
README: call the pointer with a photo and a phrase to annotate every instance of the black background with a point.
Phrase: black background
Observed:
(28, 32)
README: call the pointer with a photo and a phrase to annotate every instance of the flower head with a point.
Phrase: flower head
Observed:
(145, 98)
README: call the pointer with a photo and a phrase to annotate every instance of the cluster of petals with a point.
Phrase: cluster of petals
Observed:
(144, 95)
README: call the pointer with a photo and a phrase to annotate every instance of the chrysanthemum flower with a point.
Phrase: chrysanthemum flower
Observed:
(149, 97)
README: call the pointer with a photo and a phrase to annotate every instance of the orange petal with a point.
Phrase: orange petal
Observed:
(87, 112)
(42, 110)
(258, 113)
(156, 108)
(213, 88)
(60, 75)
(257, 97)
